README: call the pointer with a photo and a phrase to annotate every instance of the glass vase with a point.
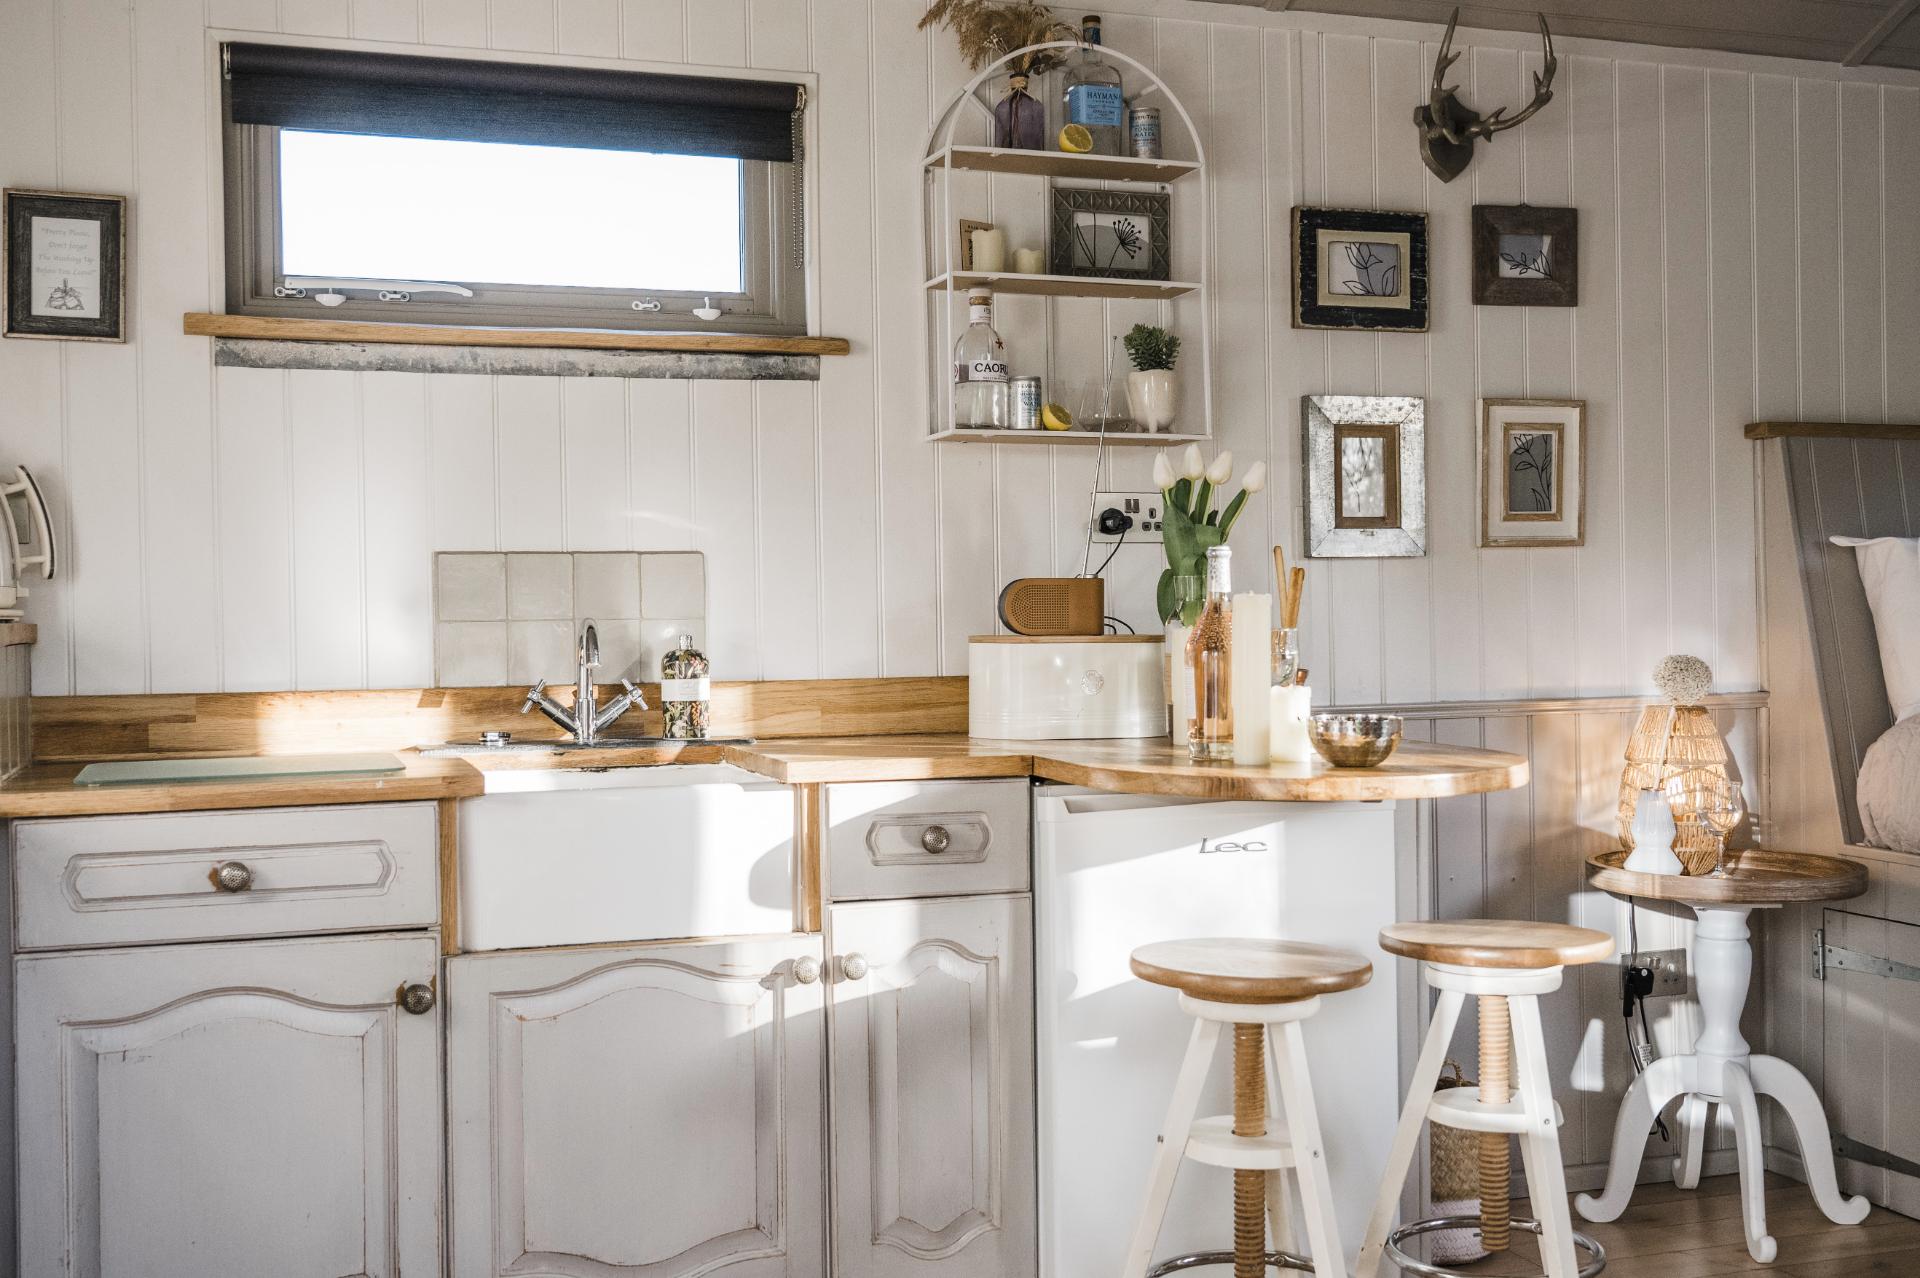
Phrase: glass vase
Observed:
(1019, 120)
(1188, 594)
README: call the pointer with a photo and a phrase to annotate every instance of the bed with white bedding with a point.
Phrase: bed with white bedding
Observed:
(1887, 787)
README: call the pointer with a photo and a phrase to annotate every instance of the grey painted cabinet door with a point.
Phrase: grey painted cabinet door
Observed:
(647, 1110)
(933, 1120)
(260, 1107)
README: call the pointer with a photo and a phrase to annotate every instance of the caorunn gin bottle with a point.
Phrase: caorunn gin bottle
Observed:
(1210, 654)
(1094, 99)
(980, 397)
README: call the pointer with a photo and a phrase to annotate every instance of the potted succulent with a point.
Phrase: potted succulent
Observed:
(1151, 389)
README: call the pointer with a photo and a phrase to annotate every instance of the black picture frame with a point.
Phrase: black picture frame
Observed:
(1496, 227)
(1068, 253)
(1395, 252)
(101, 294)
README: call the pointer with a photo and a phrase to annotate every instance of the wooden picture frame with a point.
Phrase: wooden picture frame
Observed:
(968, 226)
(63, 268)
(1366, 487)
(1525, 256)
(1533, 472)
(1142, 251)
(1360, 269)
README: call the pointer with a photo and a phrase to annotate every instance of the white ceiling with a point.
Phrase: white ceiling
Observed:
(1853, 32)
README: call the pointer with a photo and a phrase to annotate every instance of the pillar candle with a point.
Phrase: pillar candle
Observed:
(1287, 740)
(1179, 685)
(1252, 659)
(1029, 261)
(990, 251)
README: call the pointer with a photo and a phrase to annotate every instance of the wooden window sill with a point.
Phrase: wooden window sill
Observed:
(277, 328)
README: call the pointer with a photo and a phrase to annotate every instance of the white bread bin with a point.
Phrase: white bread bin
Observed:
(1035, 688)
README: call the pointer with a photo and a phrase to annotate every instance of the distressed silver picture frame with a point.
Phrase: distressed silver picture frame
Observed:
(1366, 476)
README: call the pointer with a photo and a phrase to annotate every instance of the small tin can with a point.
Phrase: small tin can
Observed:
(1026, 403)
(1143, 126)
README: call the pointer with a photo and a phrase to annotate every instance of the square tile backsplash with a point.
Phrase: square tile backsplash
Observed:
(509, 619)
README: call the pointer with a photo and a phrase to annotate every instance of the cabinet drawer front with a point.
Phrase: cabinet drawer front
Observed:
(891, 839)
(118, 880)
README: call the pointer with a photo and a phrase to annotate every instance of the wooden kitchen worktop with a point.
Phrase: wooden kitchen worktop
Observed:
(1152, 766)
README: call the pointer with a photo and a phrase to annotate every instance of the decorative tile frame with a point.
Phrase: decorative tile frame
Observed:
(1398, 420)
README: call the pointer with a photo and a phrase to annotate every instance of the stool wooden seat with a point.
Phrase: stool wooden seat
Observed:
(1497, 943)
(1240, 970)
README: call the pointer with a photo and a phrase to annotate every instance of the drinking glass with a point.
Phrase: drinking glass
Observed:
(1721, 811)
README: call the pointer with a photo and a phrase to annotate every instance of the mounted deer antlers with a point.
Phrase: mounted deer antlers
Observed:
(1449, 128)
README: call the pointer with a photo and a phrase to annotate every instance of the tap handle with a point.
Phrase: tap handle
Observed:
(533, 695)
(639, 702)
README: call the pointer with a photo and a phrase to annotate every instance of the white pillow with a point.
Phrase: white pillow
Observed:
(1890, 570)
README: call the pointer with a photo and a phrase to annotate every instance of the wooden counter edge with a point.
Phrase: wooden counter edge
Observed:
(283, 328)
(33, 794)
(1345, 786)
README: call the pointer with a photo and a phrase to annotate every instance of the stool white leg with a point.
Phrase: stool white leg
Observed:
(1540, 1146)
(1309, 1157)
(1406, 1137)
(1691, 1123)
(1280, 1229)
(1172, 1146)
(1663, 1080)
(1774, 1077)
(1745, 1108)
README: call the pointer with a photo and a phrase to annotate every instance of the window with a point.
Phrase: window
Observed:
(439, 190)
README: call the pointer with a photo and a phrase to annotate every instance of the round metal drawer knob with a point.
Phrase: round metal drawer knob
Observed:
(232, 876)
(935, 839)
(416, 998)
(854, 966)
(806, 969)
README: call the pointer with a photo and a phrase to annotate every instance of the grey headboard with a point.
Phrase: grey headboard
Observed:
(1851, 481)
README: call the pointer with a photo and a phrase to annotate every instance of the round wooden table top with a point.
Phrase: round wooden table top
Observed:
(1496, 943)
(1760, 877)
(1242, 970)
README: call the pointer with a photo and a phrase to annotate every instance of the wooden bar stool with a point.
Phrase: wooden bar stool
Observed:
(1250, 985)
(1507, 965)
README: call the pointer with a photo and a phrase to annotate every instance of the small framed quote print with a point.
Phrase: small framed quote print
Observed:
(1524, 256)
(1356, 269)
(1533, 472)
(65, 266)
(1366, 461)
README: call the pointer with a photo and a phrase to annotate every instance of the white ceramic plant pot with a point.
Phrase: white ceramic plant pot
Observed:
(1150, 397)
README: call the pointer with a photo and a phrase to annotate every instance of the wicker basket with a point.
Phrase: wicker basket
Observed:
(1453, 1159)
(1670, 741)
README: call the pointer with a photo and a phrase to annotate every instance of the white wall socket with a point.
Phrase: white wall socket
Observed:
(1142, 508)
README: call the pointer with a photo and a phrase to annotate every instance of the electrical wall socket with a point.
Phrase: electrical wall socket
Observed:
(1669, 970)
(1143, 508)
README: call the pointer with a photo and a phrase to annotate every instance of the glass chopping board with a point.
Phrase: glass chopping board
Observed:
(236, 768)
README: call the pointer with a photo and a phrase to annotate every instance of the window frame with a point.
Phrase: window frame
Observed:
(774, 301)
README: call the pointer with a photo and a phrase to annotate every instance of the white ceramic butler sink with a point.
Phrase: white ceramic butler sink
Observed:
(569, 856)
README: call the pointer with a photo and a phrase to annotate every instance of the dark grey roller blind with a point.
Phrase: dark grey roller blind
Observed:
(397, 95)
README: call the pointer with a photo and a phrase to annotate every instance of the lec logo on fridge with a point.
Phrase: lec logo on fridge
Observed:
(1232, 845)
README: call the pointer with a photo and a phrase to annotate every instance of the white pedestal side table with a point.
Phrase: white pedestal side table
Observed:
(1721, 1069)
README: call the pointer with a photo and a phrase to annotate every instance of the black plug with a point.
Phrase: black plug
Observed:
(1114, 521)
(1635, 983)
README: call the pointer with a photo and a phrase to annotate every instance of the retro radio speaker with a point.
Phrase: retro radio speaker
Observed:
(1055, 606)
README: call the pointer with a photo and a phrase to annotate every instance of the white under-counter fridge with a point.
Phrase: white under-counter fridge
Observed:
(1113, 872)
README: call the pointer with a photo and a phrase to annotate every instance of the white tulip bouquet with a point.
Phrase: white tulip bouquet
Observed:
(1193, 524)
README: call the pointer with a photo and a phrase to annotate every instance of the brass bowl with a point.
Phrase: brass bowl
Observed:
(1355, 740)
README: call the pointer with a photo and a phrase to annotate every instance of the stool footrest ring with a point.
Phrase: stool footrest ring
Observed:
(1193, 1260)
(1597, 1255)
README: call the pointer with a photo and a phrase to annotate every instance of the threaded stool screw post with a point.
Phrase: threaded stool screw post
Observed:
(1249, 1119)
(1496, 1088)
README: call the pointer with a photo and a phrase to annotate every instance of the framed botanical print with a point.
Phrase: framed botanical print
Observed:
(65, 272)
(1357, 269)
(1533, 472)
(1123, 234)
(1366, 458)
(1525, 256)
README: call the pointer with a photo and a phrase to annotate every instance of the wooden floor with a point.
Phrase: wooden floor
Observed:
(1676, 1233)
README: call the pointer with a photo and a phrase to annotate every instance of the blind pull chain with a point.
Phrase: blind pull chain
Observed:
(797, 201)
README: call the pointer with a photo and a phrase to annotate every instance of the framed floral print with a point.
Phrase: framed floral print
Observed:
(1357, 269)
(1112, 234)
(65, 266)
(1533, 472)
(1525, 256)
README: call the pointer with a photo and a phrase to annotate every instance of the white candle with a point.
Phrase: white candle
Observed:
(990, 250)
(1252, 675)
(1029, 261)
(1180, 684)
(1290, 708)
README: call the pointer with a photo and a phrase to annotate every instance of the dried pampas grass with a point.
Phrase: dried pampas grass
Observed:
(987, 30)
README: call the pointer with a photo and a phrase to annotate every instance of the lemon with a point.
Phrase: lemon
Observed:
(1053, 416)
(1075, 138)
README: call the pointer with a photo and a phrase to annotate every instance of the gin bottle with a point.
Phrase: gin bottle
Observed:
(980, 390)
(1210, 655)
(1093, 93)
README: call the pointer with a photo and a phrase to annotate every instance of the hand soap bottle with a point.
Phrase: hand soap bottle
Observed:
(686, 697)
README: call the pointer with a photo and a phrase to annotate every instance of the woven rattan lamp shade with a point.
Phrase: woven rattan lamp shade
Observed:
(1667, 742)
